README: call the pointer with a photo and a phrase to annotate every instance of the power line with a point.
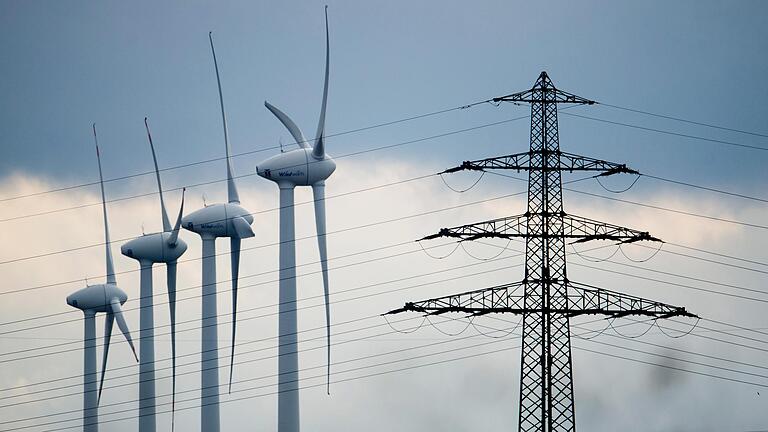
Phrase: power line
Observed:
(419, 366)
(189, 259)
(273, 305)
(367, 261)
(303, 264)
(419, 357)
(261, 307)
(679, 119)
(270, 385)
(239, 354)
(380, 248)
(678, 284)
(129, 271)
(677, 244)
(273, 209)
(46, 325)
(763, 227)
(356, 153)
(740, 267)
(356, 227)
(259, 378)
(399, 244)
(346, 290)
(694, 362)
(269, 148)
(738, 327)
(667, 209)
(706, 188)
(392, 184)
(718, 254)
(723, 359)
(204, 161)
(657, 323)
(581, 255)
(657, 280)
(675, 368)
(442, 342)
(682, 135)
(71, 311)
(372, 188)
(29, 257)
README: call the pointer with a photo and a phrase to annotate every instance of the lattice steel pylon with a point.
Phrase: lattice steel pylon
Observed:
(549, 298)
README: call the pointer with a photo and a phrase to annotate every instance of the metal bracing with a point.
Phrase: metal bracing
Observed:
(575, 228)
(509, 298)
(545, 297)
(522, 162)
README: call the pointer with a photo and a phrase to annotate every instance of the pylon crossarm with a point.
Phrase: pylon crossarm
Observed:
(533, 96)
(576, 228)
(500, 298)
(509, 298)
(572, 162)
(583, 230)
(522, 162)
(506, 227)
(542, 87)
(589, 300)
(518, 162)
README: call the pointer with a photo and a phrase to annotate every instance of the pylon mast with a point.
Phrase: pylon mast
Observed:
(546, 378)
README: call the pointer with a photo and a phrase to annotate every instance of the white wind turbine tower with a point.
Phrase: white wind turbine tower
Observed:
(163, 247)
(92, 299)
(212, 221)
(305, 166)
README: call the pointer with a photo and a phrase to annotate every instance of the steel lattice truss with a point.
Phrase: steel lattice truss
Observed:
(510, 298)
(545, 297)
(522, 162)
(576, 228)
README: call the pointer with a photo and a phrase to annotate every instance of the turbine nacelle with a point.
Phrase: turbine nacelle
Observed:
(220, 220)
(96, 298)
(155, 247)
(297, 167)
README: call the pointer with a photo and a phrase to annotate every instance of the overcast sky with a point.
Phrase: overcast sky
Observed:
(65, 65)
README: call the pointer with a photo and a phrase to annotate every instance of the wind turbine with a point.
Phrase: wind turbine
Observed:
(163, 247)
(305, 166)
(92, 299)
(212, 221)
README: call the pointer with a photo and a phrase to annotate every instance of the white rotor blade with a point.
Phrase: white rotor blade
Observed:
(117, 311)
(231, 189)
(318, 191)
(234, 252)
(175, 233)
(289, 124)
(318, 151)
(242, 227)
(171, 278)
(108, 321)
(110, 265)
(166, 221)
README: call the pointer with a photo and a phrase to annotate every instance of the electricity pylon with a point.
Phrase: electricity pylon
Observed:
(548, 299)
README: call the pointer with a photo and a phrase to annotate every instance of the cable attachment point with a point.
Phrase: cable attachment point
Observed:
(466, 165)
(620, 169)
